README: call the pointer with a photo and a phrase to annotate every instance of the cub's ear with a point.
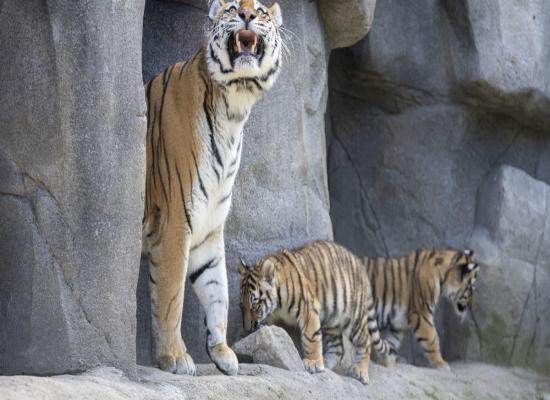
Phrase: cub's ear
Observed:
(268, 271)
(215, 8)
(243, 268)
(468, 252)
(275, 11)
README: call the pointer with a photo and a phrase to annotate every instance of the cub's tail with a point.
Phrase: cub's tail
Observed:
(384, 353)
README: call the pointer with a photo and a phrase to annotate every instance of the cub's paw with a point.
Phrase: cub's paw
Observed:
(331, 360)
(401, 360)
(181, 365)
(389, 360)
(313, 366)
(361, 374)
(224, 358)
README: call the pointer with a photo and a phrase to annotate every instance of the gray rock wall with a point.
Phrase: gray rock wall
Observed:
(511, 321)
(437, 133)
(72, 127)
(423, 111)
(281, 197)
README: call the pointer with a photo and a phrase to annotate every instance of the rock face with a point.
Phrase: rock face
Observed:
(423, 111)
(270, 345)
(280, 197)
(437, 132)
(512, 235)
(71, 178)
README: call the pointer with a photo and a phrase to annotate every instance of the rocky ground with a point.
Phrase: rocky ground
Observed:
(466, 381)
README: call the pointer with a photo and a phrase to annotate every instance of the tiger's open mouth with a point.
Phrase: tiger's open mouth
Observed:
(461, 307)
(245, 43)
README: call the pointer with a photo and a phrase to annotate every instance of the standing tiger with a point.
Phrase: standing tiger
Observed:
(323, 289)
(406, 291)
(196, 113)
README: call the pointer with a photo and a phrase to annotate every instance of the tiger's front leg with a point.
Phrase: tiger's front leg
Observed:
(168, 258)
(312, 338)
(208, 275)
(426, 334)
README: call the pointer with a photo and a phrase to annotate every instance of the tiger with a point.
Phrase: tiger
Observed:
(406, 290)
(323, 289)
(196, 111)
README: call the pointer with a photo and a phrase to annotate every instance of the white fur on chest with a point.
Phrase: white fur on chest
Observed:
(212, 193)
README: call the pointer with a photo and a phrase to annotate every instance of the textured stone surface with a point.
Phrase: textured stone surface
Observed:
(434, 100)
(270, 345)
(346, 21)
(511, 321)
(467, 381)
(280, 196)
(71, 171)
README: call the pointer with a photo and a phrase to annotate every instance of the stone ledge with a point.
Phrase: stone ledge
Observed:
(467, 381)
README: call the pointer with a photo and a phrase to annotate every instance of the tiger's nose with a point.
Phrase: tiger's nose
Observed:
(247, 14)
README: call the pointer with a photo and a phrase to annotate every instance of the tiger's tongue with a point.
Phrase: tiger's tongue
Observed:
(246, 42)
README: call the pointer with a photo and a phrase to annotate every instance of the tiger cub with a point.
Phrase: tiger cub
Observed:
(323, 289)
(406, 291)
(196, 113)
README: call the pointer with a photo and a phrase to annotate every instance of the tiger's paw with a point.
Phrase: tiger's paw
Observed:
(331, 360)
(181, 365)
(224, 358)
(361, 374)
(442, 366)
(313, 366)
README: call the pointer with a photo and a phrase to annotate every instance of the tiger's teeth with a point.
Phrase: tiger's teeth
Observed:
(238, 42)
(255, 44)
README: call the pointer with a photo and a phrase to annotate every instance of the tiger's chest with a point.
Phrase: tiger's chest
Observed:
(212, 190)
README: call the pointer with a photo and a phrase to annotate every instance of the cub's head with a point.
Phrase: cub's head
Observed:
(258, 293)
(244, 42)
(459, 282)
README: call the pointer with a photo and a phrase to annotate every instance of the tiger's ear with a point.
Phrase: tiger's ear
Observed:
(268, 271)
(275, 11)
(243, 268)
(215, 9)
(469, 252)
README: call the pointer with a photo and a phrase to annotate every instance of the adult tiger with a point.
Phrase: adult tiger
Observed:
(196, 113)
(322, 288)
(406, 291)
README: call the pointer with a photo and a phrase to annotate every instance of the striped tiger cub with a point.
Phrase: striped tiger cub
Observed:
(196, 113)
(323, 289)
(406, 291)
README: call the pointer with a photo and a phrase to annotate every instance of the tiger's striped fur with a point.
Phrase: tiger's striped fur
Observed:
(323, 289)
(196, 113)
(406, 291)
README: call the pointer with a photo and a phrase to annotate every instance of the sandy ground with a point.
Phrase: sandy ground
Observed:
(466, 381)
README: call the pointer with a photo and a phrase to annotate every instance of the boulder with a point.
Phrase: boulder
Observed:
(71, 184)
(346, 21)
(270, 345)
